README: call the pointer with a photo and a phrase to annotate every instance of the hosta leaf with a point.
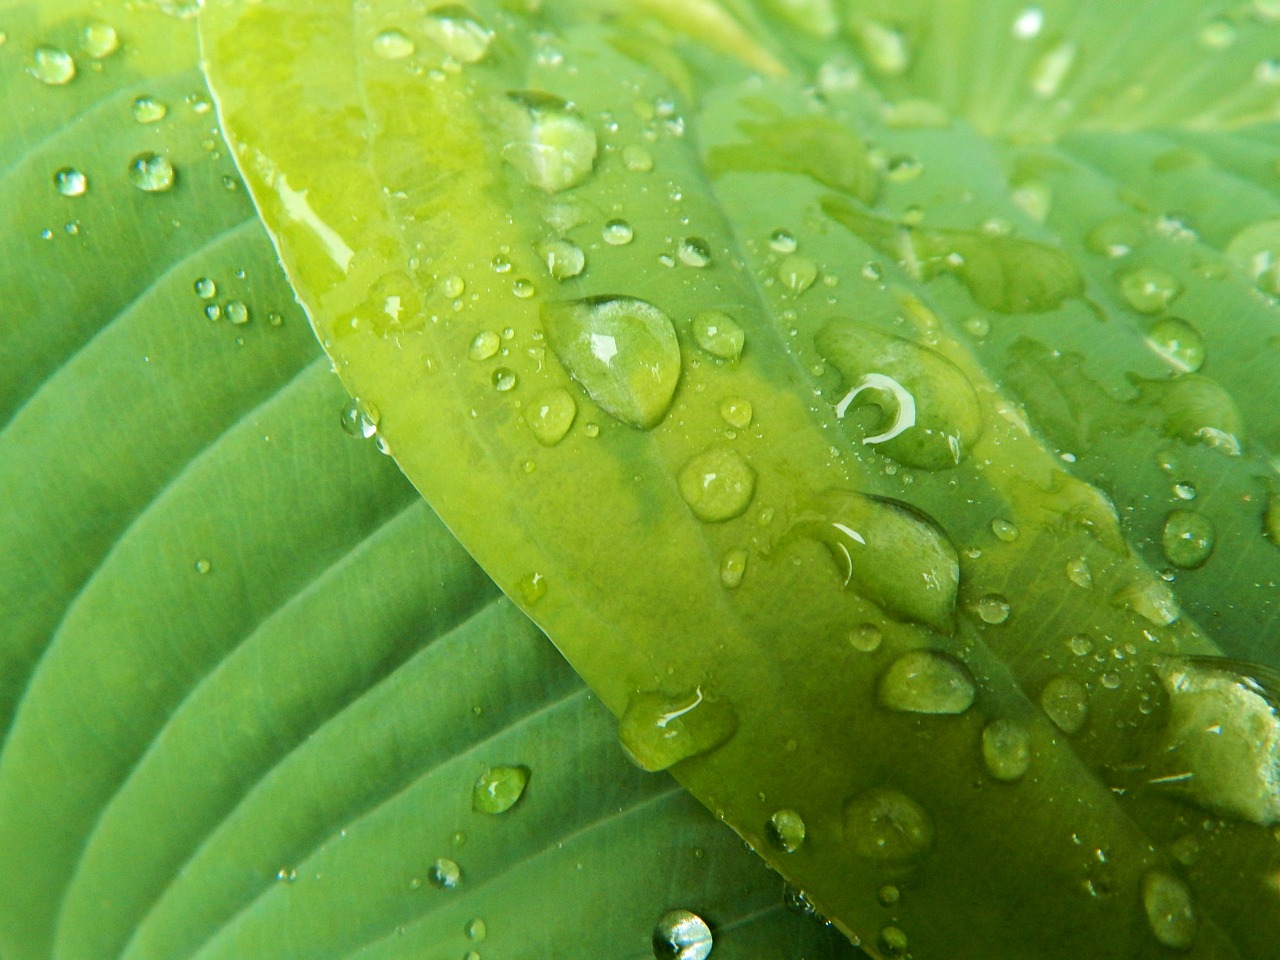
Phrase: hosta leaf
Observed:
(941, 651)
(250, 682)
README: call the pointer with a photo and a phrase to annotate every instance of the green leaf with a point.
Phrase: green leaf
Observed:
(250, 681)
(747, 569)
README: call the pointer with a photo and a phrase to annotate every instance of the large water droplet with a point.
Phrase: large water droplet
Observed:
(1149, 289)
(456, 31)
(717, 484)
(147, 109)
(1065, 701)
(658, 730)
(547, 140)
(499, 788)
(1188, 538)
(681, 935)
(564, 258)
(52, 66)
(1170, 912)
(551, 415)
(151, 173)
(70, 182)
(205, 288)
(929, 414)
(237, 312)
(1006, 749)
(993, 609)
(444, 874)
(719, 334)
(885, 824)
(622, 350)
(889, 552)
(927, 681)
(359, 418)
(1177, 343)
(786, 830)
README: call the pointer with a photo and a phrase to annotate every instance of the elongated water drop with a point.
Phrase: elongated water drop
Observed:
(1170, 912)
(719, 334)
(499, 788)
(717, 485)
(1006, 749)
(926, 681)
(457, 32)
(681, 935)
(564, 258)
(733, 568)
(359, 418)
(1066, 702)
(547, 140)
(551, 415)
(622, 350)
(885, 824)
(658, 730)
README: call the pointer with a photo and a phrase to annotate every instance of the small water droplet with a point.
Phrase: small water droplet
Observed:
(658, 730)
(636, 158)
(359, 418)
(205, 288)
(865, 638)
(70, 182)
(782, 241)
(393, 45)
(533, 587)
(548, 141)
(213, 311)
(1177, 343)
(147, 109)
(1006, 749)
(504, 379)
(236, 312)
(551, 415)
(733, 568)
(287, 875)
(694, 252)
(719, 334)
(52, 66)
(681, 935)
(736, 412)
(1065, 701)
(1004, 530)
(797, 273)
(617, 233)
(476, 930)
(444, 874)
(1078, 572)
(484, 345)
(993, 609)
(522, 288)
(886, 825)
(717, 485)
(893, 940)
(203, 566)
(564, 258)
(1081, 644)
(785, 830)
(456, 31)
(622, 350)
(499, 788)
(151, 173)
(1184, 491)
(452, 286)
(1170, 912)
(926, 681)
(1188, 538)
(99, 40)
(1149, 289)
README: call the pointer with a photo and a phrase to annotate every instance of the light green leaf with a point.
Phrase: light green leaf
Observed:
(952, 736)
(250, 681)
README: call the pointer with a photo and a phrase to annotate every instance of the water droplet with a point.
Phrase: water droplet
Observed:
(213, 311)
(903, 168)
(203, 566)
(1149, 289)
(484, 345)
(452, 286)
(865, 638)
(205, 288)
(456, 31)
(393, 45)
(736, 412)
(99, 40)
(1188, 538)
(893, 940)
(1177, 343)
(733, 568)
(681, 935)
(636, 158)
(694, 252)
(782, 241)
(533, 588)
(444, 874)
(151, 173)
(551, 415)
(70, 182)
(622, 350)
(885, 824)
(785, 830)
(926, 681)
(719, 334)
(52, 66)
(236, 312)
(717, 485)
(1065, 701)
(993, 608)
(1080, 644)
(1006, 749)
(1184, 491)
(1004, 530)
(147, 109)
(884, 47)
(797, 273)
(476, 930)
(1051, 69)
(359, 418)
(503, 379)
(1078, 572)
(499, 788)
(1151, 599)
(1170, 912)
(658, 730)
(564, 258)
(889, 552)
(287, 875)
(617, 233)
(523, 288)
(1115, 237)
(548, 141)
